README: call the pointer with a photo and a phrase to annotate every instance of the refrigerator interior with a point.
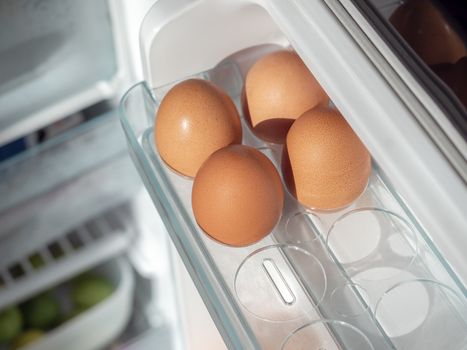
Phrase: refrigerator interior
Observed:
(71, 199)
(308, 282)
(68, 47)
(68, 220)
(117, 306)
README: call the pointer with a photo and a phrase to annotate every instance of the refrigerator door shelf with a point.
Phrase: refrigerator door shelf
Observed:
(396, 118)
(317, 274)
(369, 91)
(176, 42)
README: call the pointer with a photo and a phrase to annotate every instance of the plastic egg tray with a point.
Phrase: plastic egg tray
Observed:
(363, 277)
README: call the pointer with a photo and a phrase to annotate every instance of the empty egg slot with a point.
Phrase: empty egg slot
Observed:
(278, 282)
(387, 241)
(412, 313)
(267, 287)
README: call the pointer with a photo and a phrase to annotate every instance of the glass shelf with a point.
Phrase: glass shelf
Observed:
(85, 246)
(57, 57)
(319, 280)
(47, 165)
(61, 183)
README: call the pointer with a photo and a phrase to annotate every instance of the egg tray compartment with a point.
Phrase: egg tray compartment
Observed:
(280, 285)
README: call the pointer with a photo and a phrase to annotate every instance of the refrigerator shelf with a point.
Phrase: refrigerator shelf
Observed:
(79, 332)
(47, 166)
(81, 248)
(71, 200)
(66, 58)
(317, 279)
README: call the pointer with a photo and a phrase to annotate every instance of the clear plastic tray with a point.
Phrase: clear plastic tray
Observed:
(265, 294)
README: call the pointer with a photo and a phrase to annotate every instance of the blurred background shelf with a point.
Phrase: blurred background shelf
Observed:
(57, 63)
(83, 247)
(60, 159)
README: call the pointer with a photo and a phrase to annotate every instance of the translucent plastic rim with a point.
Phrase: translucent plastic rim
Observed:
(329, 322)
(423, 281)
(295, 247)
(314, 230)
(361, 294)
(405, 222)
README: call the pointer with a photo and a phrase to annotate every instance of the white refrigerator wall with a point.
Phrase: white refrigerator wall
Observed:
(150, 252)
(197, 330)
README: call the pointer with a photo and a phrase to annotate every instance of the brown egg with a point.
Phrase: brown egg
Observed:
(427, 31)
(455, 76)
(195, 119)
(278, 89)
(325, 165)
(237, 195)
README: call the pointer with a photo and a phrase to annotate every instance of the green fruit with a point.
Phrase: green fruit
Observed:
(41, 311)
(11, 322)
(90, 290)
(26, 338)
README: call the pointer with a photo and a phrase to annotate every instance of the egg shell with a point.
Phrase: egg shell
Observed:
(195, 118)
(278, 89)
(455, 76)
(324, 163)
(237, 196)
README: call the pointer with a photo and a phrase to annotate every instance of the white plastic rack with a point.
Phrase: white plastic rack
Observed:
(95, 241)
